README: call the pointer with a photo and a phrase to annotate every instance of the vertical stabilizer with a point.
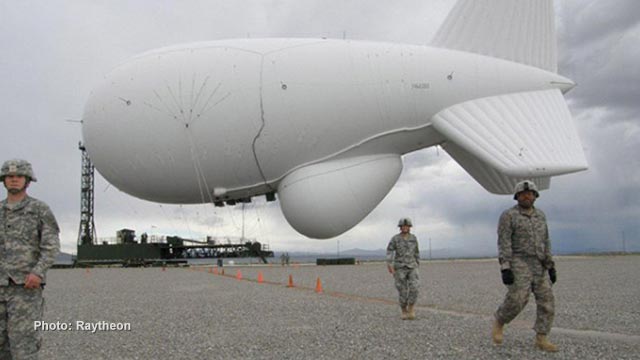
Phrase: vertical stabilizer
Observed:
(518, 30)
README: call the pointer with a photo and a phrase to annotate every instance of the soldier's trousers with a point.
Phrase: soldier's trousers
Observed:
(530, 276)
(407, 282)
(19, 309)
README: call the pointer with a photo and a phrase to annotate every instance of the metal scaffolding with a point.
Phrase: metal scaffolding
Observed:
(87, 232)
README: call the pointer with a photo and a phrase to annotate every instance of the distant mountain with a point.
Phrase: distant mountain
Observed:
(363, 252)
(447, 253)
(332, 254)
(64, 258)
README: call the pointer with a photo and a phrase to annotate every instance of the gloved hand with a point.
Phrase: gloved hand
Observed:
(507, 277)
(553, 275)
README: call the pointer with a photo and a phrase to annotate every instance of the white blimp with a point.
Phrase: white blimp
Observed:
(324, 123)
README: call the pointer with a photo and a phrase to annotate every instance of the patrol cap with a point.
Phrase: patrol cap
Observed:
(17, 167)
(405, 222)
(524, 186)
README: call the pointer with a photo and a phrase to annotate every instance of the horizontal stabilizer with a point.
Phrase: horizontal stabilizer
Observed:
(326, 199)
(522, 31)
(487, 176)
(503, 138)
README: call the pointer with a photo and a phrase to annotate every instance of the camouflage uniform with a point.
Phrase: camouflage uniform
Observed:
(405, 257)
(524, 247)
(28, 244)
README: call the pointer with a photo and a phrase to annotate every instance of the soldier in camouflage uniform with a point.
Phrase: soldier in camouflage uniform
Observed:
(526, 265)
(28, 247)
(403, 259)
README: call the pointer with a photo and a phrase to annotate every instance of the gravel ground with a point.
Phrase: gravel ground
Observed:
(193, 314)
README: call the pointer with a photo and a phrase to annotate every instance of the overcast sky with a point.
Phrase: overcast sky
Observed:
(53, 53)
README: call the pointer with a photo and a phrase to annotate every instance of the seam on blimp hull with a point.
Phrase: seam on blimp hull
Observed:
(169, 50)
(273, 182)
(262, 125)
(262, 117)
(166, 51)
(317, 42)
(378, 157)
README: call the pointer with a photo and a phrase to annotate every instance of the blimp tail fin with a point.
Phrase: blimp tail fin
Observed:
(520, 31)
(502, 139)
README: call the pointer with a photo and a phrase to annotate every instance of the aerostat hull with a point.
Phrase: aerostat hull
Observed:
(324, 123)
(174, 124)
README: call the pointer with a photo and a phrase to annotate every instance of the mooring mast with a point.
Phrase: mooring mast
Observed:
(87, 232)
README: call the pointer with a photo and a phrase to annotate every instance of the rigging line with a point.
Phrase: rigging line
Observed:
(261, 228)
(234, 223)
(200, 169)
(186, 221)
(204, 84)
(180, 93)
(193, 84)
(175, 100)
(205, 107)
(246, 209)
(173, 225)
(200, 177)
(168, 109)
(212, 229)
(216, 103)
(130, 212)
(195, 162)
(206, 103)
(200, 173)
(155, 108)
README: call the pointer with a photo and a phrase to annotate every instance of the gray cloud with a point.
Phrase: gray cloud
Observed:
(599, 51)
(54, 53)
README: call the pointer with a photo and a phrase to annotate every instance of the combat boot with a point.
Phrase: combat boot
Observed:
(496, 333)
(405, 314)
(543, 343)
(411, 315)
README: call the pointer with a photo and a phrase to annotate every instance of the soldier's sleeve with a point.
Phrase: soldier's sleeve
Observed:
(391, 249)
(49, 242)
(548, 258)
(417, 252)
(504, 241)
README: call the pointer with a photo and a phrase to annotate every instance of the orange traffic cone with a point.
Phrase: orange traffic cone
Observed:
(260, 278)
(239, 275)
(222, 272)
(318, 286)
(290, 281)
(215, 271)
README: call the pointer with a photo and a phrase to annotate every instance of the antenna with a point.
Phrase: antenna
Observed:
(87, 231)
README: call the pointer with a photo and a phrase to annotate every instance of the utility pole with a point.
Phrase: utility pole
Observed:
(87, 231)
(624, 243)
